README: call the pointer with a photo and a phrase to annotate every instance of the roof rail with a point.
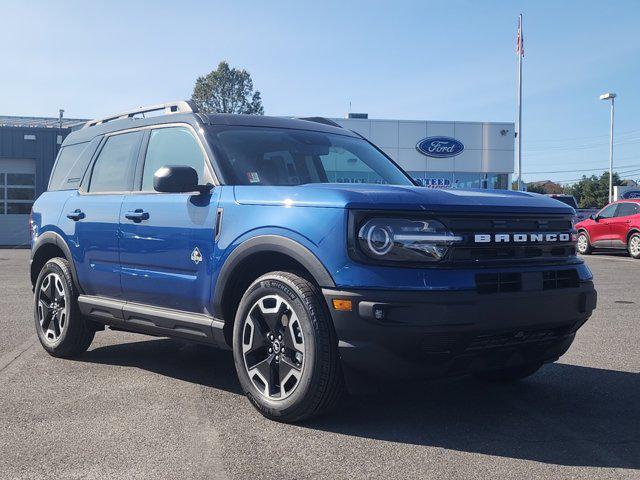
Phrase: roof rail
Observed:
(322, 120)
(180, 106)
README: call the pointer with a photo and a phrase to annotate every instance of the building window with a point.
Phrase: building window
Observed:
(461, 179)
(17, 193)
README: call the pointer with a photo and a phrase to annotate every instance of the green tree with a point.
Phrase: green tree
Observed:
(535, 189)
(593, 191)
(227, 90)
(544, 187)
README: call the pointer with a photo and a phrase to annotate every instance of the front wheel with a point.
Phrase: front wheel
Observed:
(634, 245)
(285, 348)
(61, 328)
(584, 247)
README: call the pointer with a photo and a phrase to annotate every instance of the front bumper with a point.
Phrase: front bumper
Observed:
(432, 334)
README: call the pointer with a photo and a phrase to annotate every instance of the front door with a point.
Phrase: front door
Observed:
(90, 217)
(600, 231)
(167, 239)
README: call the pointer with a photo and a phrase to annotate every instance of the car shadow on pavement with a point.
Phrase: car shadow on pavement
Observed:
(199, 364)
(564, 414)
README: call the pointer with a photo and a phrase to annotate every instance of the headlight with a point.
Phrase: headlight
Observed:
(405, 240)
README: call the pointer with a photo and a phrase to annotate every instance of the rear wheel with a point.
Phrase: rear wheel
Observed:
(62, 330)
(285, 348)
(584, 247)
(511, 374)
(633, 245)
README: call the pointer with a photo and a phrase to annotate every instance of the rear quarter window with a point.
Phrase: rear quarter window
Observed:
(71, 165)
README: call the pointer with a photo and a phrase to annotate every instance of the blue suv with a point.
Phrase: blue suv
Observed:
(304, 249)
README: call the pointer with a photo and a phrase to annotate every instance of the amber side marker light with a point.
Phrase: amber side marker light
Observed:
(342, 305)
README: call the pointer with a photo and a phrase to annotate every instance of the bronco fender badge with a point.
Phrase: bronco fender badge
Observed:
(196, 256)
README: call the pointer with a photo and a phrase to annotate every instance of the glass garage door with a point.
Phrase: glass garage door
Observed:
(17, 194)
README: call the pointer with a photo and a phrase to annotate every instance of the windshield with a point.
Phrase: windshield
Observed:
(276, 156)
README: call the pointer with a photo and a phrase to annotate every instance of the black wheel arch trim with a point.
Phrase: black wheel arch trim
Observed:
(270, 243)
(53, 238)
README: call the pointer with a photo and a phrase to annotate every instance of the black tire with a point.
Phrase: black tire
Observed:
(299, 306)
(512, 374)
(584, 246)
(68, 332)
(633, 245)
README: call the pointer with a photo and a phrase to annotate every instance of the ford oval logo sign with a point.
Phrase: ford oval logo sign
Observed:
(440, 147)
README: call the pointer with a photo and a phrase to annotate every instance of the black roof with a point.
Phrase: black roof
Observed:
(87, 133)
(313, 123)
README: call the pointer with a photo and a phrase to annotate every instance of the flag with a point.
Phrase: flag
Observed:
(520, 39)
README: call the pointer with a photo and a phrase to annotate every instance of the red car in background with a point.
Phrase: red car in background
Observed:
(616, 226)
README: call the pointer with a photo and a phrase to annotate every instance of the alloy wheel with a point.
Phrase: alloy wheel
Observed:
(52, 307)
(273, 347)
(583, 243)
(634, 245)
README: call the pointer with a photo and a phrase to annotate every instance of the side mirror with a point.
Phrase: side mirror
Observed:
(178, 179)
(595, 218)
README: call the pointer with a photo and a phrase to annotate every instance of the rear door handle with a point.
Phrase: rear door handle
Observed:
(76, 215)
(137, 215)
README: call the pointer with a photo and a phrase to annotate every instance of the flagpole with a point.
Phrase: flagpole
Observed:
(519, 130)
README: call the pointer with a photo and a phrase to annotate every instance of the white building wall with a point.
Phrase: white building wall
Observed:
(488, 147)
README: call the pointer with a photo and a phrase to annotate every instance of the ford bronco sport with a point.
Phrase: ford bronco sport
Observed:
(249, 233)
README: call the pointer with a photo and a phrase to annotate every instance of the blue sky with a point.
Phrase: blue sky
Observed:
(444, 60)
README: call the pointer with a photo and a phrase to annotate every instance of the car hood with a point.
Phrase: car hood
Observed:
(394, 197)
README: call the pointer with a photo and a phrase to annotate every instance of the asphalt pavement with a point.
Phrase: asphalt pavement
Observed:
(152, 408)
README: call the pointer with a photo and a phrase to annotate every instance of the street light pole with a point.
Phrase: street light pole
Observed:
(613, 103)
(610, 96)
(520, 52)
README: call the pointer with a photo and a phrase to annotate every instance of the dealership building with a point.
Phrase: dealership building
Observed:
(437, 154)
(483, 156)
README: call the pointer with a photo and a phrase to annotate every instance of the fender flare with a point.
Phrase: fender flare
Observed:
(53, 238)
(271, 243)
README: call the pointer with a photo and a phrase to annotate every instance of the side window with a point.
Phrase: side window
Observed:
(608, 211)
(113, 169)
(69, 167)
(626, 209)
(172, 146)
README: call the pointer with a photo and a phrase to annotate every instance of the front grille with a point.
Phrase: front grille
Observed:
(503, 282)
(555, 279)
(509, 224)
(471, 252)
(439, 342)
(482, 342)
(443, 345)
(498, 282)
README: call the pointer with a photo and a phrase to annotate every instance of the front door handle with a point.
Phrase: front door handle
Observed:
(137, 215)
(76, 215)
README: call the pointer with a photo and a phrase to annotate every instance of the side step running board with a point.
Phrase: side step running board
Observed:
(157, 321)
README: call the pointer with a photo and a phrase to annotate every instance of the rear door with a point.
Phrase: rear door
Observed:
(167, 239)
(621, 222)
(90, 218)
